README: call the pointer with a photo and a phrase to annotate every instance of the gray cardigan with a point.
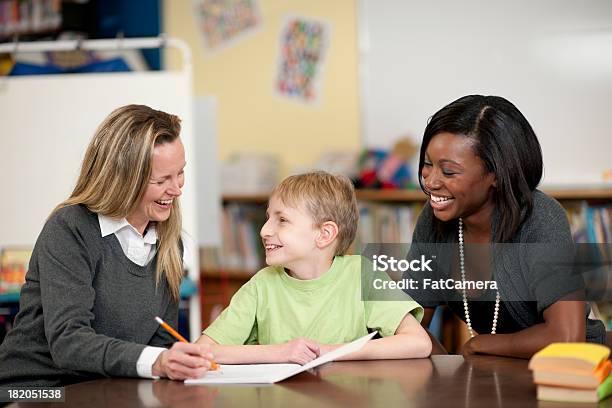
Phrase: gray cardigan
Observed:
(86, 310)
(519, 282)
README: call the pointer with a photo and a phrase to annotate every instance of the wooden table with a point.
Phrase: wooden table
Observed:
(441, 381)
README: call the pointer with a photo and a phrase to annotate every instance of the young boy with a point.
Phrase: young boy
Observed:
(308, 301)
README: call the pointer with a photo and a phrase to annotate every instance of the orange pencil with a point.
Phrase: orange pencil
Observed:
(213, 365)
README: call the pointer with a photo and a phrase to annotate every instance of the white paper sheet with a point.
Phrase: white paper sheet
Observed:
(271, 373)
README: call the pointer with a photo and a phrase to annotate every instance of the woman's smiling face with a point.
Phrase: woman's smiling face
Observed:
(165, 184)
(455, 178)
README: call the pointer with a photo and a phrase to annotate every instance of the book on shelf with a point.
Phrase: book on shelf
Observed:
(572, 372)
(241, 249)
(25, 17)
(589, 223)
(387, 223)
(13, 267)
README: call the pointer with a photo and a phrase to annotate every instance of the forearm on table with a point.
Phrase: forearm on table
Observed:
(242, 354)
(393, 347)
(246, 354)
(524, 343)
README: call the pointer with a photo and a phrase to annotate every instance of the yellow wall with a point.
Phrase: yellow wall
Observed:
(251, 117)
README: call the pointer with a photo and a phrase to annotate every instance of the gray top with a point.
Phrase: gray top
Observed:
(85, 309)
(526, 289)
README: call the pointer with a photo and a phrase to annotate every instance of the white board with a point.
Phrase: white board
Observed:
(47, 123)
(551, 58)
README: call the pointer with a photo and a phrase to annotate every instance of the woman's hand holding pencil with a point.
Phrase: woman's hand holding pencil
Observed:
(183, 360)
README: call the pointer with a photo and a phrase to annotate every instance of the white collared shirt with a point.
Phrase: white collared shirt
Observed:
(141, 251)
(137, 248)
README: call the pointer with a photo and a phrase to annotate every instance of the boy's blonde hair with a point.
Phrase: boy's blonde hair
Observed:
(326, 197)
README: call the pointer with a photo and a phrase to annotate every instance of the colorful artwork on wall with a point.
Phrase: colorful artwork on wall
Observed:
(223, 22)
(303, 44)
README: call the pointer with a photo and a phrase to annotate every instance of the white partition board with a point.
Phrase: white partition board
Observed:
(207, 168)
(47, 123)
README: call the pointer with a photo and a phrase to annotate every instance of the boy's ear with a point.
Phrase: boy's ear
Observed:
(328, 231)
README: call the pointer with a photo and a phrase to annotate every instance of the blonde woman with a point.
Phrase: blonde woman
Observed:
(107, 261)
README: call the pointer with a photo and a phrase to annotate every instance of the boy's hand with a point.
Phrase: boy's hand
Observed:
(183, 360)
(300, 351)
(326, 348)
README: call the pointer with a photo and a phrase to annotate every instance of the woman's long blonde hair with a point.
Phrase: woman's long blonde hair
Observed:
(116, 171)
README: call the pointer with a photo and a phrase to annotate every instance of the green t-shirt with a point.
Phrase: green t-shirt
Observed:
(274, 308)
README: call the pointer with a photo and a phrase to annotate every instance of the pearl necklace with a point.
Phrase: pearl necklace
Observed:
(465, 302)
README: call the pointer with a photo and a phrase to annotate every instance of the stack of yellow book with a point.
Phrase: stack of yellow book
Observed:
(573, 372)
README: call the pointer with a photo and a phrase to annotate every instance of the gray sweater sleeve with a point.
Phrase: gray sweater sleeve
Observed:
(67, 296)
(548, 248)
(162, 338)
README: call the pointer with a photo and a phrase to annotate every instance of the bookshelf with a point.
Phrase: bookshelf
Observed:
(29, 18)
(417, 195)
(218, 283)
